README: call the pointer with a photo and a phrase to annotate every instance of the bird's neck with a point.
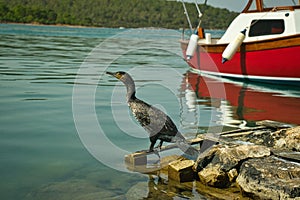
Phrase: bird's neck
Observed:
(130, 90)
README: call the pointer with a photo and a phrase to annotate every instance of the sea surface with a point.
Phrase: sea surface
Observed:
(64, 123)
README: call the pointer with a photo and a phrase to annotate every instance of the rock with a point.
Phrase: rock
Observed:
(288, 139)
(232, 174)
(270, 178)
(213, 175)
(218, 167)
(181, 171)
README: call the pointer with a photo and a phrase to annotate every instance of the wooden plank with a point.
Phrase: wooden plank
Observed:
(243, 130)
(140, 158)
(289, 155)
(238, 134)
(273, 124)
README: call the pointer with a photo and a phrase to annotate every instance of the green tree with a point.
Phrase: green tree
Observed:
(112, 13)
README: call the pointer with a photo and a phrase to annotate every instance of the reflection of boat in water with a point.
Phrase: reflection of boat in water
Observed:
(260, 44)
(248, 101)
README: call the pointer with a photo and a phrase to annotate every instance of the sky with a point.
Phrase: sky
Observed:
(238, 5)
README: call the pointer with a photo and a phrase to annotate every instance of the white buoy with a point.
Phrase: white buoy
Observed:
(233, 46)
(192, 46)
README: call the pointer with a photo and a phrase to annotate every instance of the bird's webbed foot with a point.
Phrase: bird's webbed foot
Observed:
(154, 150)
(158, 147)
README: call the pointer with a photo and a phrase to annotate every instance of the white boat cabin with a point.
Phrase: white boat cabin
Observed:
(264, 23)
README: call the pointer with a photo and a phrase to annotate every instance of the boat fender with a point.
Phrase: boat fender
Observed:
(192, 46)
(233, 46)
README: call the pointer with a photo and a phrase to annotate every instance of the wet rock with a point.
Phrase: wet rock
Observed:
(181, 171)
(270, 178)
(213, 175)
(232, 174)
(219, 166)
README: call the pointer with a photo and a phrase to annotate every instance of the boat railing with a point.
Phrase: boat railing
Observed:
(260, 7)
(274, 9)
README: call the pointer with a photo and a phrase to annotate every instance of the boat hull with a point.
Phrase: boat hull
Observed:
(275, 60)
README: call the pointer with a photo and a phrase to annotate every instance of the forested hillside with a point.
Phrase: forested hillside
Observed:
(111, 13)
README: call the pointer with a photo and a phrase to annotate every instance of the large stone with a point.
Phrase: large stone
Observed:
(213, 175)
(218, 167)
(270, 178)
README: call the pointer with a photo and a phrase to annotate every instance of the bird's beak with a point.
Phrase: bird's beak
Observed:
(110, 73)
(115, 74)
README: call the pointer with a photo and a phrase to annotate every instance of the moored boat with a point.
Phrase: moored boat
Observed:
(261, 44)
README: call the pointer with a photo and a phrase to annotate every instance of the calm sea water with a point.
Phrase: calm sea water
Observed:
(65, 125)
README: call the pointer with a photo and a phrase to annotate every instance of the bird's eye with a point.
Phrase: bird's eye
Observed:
(118, 75)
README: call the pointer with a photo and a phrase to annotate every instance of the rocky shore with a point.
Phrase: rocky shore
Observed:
(258, 163)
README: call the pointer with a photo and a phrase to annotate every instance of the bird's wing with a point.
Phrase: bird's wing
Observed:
(162, 122)
(152, 119)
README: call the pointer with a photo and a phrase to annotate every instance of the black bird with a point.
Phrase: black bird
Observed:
(153, 120)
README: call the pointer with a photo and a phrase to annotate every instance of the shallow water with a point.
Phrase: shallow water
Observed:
(65, 125)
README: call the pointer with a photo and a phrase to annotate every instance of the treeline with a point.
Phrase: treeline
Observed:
(112, 13)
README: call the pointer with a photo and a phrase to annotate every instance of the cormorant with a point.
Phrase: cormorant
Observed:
(153, 120)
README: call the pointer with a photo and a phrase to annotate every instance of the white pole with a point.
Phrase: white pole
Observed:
(198, 9)
(187, 15)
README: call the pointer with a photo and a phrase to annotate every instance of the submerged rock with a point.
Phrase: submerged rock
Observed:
(72, 189)
(220, 165)
(270, 178)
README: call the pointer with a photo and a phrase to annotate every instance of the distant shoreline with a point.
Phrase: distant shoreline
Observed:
(82, 26)
(58, 25)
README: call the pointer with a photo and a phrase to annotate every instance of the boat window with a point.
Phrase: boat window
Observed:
(266, 27)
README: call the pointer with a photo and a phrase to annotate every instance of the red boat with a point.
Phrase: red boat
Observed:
(260, 44)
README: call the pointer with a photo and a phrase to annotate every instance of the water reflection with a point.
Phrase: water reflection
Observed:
(244, 103)
(160, 188)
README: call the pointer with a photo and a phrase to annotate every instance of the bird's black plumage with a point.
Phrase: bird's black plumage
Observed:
(153, 120)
